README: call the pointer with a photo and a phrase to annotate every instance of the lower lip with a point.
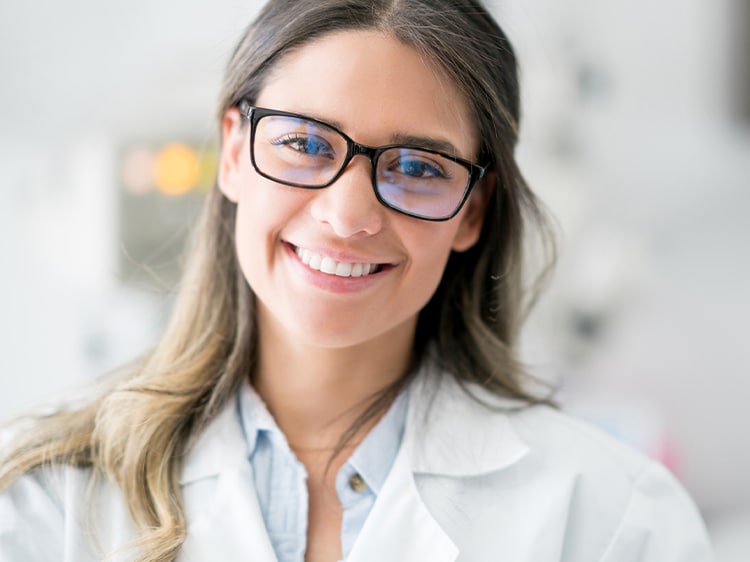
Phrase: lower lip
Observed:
(334, 283)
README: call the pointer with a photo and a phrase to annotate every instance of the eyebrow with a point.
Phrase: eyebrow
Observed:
(425, 142)
(429, 143)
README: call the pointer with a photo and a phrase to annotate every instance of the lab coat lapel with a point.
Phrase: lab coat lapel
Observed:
(447, 433)
(218, 487)
(400, 527)
(232, 528)
(458, 431)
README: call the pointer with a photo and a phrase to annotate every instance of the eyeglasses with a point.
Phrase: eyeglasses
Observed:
(303, 152)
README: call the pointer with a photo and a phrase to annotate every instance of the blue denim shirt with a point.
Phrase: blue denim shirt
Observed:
(280, 479)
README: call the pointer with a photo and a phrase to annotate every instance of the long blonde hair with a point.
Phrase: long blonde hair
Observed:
(136, 431)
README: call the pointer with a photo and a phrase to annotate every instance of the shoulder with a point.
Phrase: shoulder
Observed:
(83, 515)
(61, 513)
(647, 508)
(477, 424)
(31, 518)
(552, 440)
(560, 441)
(568, 492)
(34, 516)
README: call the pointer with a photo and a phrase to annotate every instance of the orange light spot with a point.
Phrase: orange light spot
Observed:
(177, 169)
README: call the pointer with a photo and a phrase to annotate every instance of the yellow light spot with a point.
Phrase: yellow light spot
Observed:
(209, 164)
(177, 169)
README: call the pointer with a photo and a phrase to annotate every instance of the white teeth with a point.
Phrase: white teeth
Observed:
(344, 269)
(314, 262)
(328, 266)
(333, 267)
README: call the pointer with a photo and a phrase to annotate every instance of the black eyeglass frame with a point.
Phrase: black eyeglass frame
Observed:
(254, 114)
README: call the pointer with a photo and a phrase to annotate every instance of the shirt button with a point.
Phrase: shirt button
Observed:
(357, 483)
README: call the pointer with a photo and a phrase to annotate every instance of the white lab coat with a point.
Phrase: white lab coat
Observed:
(468, 485)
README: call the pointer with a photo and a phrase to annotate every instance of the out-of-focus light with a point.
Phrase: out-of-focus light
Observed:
(137, 171)
(177, 169)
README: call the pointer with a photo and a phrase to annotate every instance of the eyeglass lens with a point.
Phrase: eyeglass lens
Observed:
(306, 153)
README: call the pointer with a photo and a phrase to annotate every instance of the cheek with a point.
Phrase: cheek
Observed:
(429, 252)
(258, 223)
(265, 210)
(250, 245)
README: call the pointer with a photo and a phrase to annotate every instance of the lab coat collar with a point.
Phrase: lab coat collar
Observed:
(457, 429)
(220, 447)
(231, 527)
(229, 524)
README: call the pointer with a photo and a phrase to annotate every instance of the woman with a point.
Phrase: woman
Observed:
(339, 379)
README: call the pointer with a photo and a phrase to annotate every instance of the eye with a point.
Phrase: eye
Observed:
(418, 169)
(305, 144)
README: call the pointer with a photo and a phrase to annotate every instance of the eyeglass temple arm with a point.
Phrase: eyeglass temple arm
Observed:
(245, 109)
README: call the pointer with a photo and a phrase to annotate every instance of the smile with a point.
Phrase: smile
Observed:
(327, 265)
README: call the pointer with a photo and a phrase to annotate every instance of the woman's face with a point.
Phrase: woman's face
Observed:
(376, 90)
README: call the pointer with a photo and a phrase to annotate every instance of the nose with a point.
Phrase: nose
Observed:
(349, 206)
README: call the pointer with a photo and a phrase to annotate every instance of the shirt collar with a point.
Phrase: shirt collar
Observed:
(218, 447)
(255, 417)
(372, 458)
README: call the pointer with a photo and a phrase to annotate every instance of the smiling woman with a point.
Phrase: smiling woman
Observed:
(351, 222)
(339, 379)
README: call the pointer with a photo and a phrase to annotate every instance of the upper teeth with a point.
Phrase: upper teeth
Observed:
(333, 267)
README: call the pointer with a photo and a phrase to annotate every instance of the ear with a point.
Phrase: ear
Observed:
(232, 150)
(474, 212)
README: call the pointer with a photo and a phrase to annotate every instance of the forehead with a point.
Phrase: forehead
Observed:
(373, 87)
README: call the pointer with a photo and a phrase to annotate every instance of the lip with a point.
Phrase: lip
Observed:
(339, 255)
(334, 283)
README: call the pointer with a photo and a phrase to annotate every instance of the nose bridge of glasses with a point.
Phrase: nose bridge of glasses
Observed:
(356, 149)
(360, 149)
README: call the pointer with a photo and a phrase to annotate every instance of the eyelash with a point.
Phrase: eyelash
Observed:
(298, 139)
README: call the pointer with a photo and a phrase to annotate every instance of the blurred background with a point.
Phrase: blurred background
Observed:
(636, 134)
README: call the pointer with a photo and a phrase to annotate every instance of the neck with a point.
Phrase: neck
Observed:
(315, 393)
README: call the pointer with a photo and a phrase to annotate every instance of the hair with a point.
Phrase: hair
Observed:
(138, 427)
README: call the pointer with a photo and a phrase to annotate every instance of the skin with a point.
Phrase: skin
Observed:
(327, 343)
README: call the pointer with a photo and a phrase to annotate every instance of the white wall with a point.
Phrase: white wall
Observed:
(65, 317)
(629, 139)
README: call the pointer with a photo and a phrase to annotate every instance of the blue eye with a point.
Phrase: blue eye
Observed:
(418, 169)
(309, 145)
